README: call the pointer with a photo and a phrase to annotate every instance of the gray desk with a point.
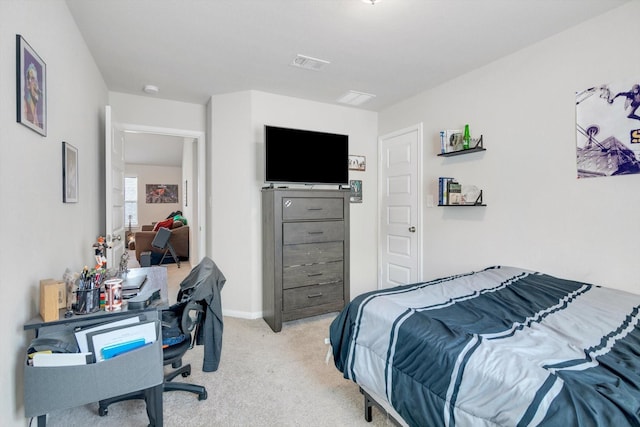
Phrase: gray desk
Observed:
(62, 387)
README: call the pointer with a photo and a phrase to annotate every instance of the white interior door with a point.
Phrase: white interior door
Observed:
(400, 207)
(114, 191)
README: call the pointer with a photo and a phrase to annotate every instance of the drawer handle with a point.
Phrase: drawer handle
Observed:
(316, 232)
(315, 295)
(314, 274)
(314, 209)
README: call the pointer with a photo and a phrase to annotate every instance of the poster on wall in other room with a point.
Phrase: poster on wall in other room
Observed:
(161, 193)
(608, 129)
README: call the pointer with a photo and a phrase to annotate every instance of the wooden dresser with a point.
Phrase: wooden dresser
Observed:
(305, 253)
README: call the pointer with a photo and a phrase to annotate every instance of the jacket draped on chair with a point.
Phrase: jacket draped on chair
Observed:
(204, 283)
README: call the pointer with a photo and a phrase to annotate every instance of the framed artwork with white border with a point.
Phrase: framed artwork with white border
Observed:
(357, 163)
(69, 173)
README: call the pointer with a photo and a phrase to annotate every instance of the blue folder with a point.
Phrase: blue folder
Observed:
(116, 349)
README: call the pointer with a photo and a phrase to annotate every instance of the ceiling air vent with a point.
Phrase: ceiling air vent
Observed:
(309, 63)
(355, 98)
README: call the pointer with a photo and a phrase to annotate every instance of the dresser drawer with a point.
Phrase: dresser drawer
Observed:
(309, 296)
(313, 231)
(312, 208)
(312, 253)
(314, 274)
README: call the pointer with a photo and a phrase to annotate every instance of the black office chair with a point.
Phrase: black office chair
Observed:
(161, 241)
(181, 325)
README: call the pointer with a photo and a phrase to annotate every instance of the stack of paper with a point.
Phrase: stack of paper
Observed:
(112, 342)
(61, 359)
(114, 338)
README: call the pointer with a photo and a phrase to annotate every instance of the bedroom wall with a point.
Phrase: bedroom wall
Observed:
(236, 159)
(41, 236)
(147, 174)
(538, 215)
(155, 112)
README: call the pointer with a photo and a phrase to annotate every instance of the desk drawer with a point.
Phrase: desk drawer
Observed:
(309, 296)
(312, 253)
(310, 232)
(312, 208)
(314, 274)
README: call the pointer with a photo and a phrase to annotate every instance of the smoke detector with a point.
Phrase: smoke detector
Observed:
(308, 63)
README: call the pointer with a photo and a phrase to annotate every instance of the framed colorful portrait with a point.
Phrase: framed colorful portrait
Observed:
(31, 87)
(69, 173)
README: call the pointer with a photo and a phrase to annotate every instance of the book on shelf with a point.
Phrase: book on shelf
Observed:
(454, 191)
(443, 186)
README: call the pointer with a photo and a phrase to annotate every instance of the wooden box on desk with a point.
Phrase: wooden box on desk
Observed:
(53, 297)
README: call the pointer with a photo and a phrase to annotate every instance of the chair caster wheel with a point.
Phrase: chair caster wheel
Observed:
(185, 374)
(202, 396)
(103, 411)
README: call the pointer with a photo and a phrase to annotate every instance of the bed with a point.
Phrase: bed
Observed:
(499, 347)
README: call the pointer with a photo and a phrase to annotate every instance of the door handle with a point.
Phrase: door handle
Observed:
(412, 229)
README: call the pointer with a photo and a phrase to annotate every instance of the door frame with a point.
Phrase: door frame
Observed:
(200, 226)
(419, 202)
(114, 240)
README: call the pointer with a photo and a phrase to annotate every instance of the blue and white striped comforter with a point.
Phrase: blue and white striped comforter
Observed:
(500, 347)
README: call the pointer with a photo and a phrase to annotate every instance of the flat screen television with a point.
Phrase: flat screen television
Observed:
(305, 157)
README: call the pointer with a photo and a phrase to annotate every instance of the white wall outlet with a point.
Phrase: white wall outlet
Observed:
(429, 200)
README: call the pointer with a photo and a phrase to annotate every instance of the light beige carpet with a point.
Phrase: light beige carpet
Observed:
(264, 379)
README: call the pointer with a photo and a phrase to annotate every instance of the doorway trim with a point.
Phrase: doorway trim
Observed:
(200, 189)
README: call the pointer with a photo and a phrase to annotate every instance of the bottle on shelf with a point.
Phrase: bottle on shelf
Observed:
(466, 138)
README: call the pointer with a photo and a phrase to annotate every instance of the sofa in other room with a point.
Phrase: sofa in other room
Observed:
(179, 240)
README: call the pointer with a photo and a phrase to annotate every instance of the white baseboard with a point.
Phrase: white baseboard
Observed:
(242, 314)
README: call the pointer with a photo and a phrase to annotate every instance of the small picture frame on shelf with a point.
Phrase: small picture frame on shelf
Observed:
(451, 140)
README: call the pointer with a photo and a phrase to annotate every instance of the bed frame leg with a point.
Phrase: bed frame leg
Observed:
(367, 410)
(368, 404)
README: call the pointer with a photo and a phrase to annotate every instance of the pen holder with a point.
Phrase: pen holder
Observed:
(113, 294)
(87, 301)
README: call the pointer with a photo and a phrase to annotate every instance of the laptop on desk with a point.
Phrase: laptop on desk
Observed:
(132, 286)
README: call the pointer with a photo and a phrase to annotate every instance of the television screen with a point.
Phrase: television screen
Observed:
(305, 157)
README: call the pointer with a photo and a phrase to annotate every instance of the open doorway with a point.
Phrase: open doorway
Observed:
(179, 155)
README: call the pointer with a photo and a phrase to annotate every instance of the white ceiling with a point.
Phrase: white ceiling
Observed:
(193, 49)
